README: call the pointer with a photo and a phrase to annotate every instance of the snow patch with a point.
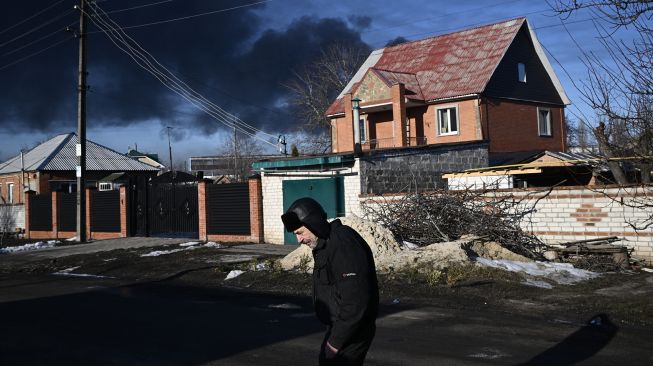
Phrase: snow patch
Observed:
(285, 306)
(157, 253)
(31, 246)
(191, 245)
(233, 274)
(562, 273)
(68, 272)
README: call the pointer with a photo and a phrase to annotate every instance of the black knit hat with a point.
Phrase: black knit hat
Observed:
(306, 212)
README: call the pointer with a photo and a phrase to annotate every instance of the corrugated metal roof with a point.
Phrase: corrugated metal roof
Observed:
(58, 153)
(445, 66)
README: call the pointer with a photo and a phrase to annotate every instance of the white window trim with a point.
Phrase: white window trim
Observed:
(521, 72)
(549, 123)
(363, 132)
(105, 186)
(437, 121)
(10, 193)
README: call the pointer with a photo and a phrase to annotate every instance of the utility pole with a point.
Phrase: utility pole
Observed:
(235, 155)
(81, 127)
(169, 147)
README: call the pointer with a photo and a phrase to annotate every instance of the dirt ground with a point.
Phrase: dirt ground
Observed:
(624, 296)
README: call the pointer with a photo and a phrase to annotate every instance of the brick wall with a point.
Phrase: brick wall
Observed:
(577, 213)
(569, 214)
(467, 122)
(512, 126)
(272, 190)
(387, 171)
(16, 216)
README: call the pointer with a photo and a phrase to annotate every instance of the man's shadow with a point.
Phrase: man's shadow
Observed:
(580, 345)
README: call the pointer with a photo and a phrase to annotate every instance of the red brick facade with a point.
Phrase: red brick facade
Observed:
(509, 125)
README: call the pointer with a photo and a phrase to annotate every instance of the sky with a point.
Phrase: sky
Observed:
(238, 54)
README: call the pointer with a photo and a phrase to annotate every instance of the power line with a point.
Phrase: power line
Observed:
(146, 61)
(190, 16)
(33, 54)
(139, 6)
(31, 43)
(32, 16)
(34, 29)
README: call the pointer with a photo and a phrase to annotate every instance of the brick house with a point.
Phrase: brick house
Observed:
(490, 83)
(50, 167)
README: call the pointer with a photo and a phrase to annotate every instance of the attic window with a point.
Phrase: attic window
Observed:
(521, 72)
(106, 186)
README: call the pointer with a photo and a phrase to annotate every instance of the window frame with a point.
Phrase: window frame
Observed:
(105, 186)
(549, 123)
(437, 120)
(362, 128)
(10, 193)
(521, 72)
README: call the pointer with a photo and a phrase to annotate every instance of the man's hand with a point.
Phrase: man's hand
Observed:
(329, 350)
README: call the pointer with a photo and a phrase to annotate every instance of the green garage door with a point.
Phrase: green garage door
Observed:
(329, 192)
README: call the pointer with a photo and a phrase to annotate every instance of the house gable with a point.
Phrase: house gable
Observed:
(538, 85)
(372, 88)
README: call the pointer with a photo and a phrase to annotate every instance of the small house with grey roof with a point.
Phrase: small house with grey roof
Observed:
(51, 166)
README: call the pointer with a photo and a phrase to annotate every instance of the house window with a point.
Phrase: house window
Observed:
(361, 129)
(544, 121)
(521, 72)
(447, 121)
(106, 186)
(10, 193)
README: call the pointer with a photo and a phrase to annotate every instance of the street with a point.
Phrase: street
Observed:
(60, 320)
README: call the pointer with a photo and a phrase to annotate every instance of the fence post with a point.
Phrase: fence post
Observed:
(123, 212)
(88, 213)
(28, 201)
(55, 215)
(256, 208)
(202, 213)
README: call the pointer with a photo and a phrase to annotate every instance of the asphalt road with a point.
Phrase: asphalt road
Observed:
(57, 320)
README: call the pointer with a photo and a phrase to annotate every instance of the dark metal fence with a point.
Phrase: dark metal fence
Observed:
(40, 212)
(172, 209)
(227, 206)
(105, 211)
(67, 211)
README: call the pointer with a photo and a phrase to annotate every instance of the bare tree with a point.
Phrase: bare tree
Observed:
(620, 88)
(317, 85)
(242, 152)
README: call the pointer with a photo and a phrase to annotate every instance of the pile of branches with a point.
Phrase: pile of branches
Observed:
(425, 218)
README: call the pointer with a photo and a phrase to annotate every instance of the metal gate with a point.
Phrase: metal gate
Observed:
(329, 192)
(228, 207)
(172, 209)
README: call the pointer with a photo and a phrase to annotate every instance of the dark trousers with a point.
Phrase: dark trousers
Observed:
(352, 353)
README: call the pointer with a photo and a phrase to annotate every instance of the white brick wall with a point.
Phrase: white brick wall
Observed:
(579, 214)
(17, 214)
(273, 197)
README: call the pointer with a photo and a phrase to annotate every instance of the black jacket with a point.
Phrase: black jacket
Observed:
(345, 289)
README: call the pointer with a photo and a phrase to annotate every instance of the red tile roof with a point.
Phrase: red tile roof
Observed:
(449, 65)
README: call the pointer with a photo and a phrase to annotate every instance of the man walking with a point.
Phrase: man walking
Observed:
(345, 289)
